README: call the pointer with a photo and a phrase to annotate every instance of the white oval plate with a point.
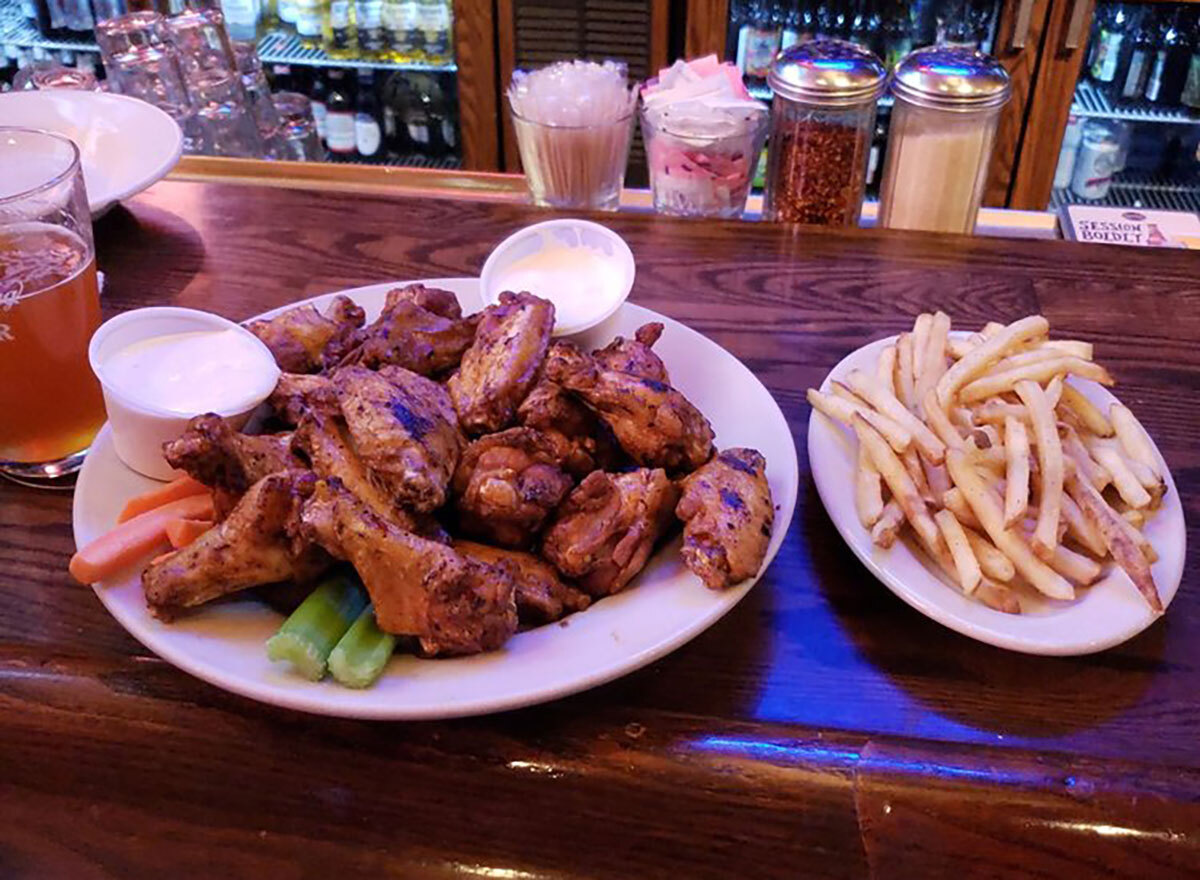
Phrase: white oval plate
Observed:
(124, 144)
(665, 607)
(1105, 614)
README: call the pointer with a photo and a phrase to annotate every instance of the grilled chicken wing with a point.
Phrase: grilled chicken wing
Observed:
(404, 430)
(420, 328)
(653, 422)
(635, 355)
(502, 364)
(542, 596)
(727, 510)
(420, 588)
(604, 532)
(251, 547)
(303, 340)
(222, 458)
(296, 394)
(506, 485)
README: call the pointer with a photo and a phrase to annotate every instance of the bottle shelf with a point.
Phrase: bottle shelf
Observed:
(1134, 190)
(1092, 102)
(412, 160)
(763, 93)
(276, 47)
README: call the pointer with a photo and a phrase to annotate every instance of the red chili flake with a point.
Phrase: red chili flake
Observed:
(820, 172)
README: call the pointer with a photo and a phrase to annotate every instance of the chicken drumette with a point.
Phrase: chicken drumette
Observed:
(420, 328)
(453, 604)
(727, 510)
(251, 547)
(653, 422)
(542, 596)
(303, 340)
(506, 485)
(604, 532)
(502, 364)
(219, 457)
(404, 430)
(297, 393)
(635, 355)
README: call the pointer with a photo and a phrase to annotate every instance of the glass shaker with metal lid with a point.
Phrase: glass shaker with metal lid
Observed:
(822, 121)
(948, 102)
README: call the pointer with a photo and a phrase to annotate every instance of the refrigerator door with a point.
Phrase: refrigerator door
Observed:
(1115, 118)
(751, 31)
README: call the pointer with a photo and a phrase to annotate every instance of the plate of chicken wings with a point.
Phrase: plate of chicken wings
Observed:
(533, 516)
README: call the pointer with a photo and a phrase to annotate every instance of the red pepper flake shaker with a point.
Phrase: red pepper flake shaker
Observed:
(822, 121)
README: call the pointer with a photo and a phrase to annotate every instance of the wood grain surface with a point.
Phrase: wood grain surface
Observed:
(822, 729)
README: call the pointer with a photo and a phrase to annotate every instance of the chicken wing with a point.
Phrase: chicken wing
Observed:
(506, 484)
(453, 604)
(542, 596)
(300, 337)
(253, 546)
(404, 429)
(420, 328)
(635, 355)
(653, 422)
(604, 532)
(222, 458)
(727, 510)
(502, 364)
(297, 393)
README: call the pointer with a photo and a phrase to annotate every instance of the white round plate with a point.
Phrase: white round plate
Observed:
(124, 144)
(1105, 614)
(662, 609)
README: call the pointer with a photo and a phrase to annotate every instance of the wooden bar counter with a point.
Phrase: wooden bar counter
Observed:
(822, 729)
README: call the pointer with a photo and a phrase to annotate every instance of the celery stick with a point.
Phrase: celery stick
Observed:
(358, 659)
(307, 637)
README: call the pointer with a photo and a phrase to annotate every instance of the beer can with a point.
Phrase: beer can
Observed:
(1095, 164)
(1065, 169)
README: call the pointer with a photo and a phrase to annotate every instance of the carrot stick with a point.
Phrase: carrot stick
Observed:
(182, 531)
(134, 538)
(160, 495)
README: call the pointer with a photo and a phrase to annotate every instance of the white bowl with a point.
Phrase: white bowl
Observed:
(125, 144)
(139, 428)
(593, 241)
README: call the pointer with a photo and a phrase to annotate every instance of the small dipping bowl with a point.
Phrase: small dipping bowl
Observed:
(139, 427)
(584, 268)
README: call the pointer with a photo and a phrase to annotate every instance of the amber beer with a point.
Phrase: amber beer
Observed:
(50, 403)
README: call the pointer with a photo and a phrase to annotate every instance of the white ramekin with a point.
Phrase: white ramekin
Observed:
(140, 429)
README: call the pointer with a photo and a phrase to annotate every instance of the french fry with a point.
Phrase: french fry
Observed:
(871, 390)
(992, 328)
(885, 368)
(995, 596)
(1113, 529)
(843, 411)
(987, 509)
(1024, 358)
(962, 417)
(992, 562)
(904, 491)
(887, 527)
(1016, 474)
(965, 563)
(958, 346)
(912, 463)
(1042, 371)
(1050, 466)
(1136, 518)
(992, 458)
(1085, 411)
(933, 358)
(1073, 347)
(980, 358)
(1094, 472)
(940, 422)
(905, 382)
(868, 490)
(936, 478)
(1133, 438)
(920, 341)
(995, 411)
(1131, 491)
(1054, 391)
(837, 389)
(953, 501)
(1081, 529)
(1075, 566)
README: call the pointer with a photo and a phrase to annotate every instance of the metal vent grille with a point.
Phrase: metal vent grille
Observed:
(557, 30)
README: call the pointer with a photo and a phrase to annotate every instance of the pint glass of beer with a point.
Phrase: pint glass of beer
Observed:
(50, 403)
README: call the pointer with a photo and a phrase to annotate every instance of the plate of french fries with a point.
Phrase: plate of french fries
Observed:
(992, 481)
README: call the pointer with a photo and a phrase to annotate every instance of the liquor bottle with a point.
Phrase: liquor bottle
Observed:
(416, 118)
(789, 28)
(1108, 47)
(241, 18)
(392, 100)
(1167, 78)
(309, 15)
(339, 118)
(808, 20)
(368, 136)
(318, 95)
(402, 30)
(435, 30)
(1139, 59)
(369, 15)
(897, 31)
(762, 41)
(338, 37)
(1191, 86)
(286, 11)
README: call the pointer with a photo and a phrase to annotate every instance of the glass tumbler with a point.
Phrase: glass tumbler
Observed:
(50, 403)
(226, 123)
(297, 134)
(574, 166)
